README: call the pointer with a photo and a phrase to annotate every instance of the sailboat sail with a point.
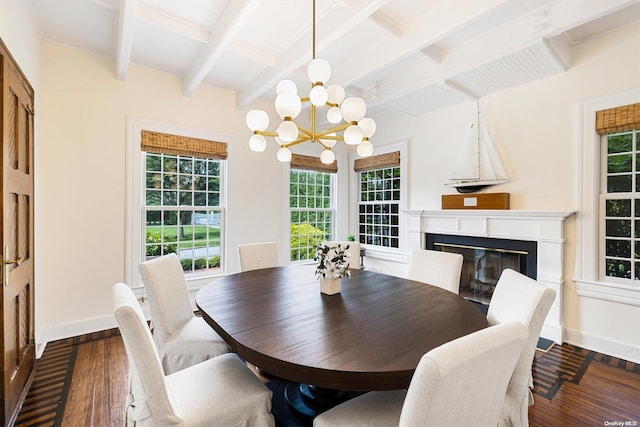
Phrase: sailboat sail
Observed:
(478, 164)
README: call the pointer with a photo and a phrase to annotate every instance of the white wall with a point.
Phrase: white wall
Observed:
(535, 129)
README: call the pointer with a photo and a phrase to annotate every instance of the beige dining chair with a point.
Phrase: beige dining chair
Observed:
(436, 268)
(353, 253)
(520, 298)
(217, 392)
(183, 339)
(255, 256)
(460, 383)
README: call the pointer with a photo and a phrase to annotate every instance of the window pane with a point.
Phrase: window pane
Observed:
(619, 184)
(618, 248)
(619, 208)
(378, 198)
(620, 143)
(619, 163)
(618, 268)
(618, 228)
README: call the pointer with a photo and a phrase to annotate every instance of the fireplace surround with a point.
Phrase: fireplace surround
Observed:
(544, 229)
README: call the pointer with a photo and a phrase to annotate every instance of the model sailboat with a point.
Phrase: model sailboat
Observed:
(478, 165)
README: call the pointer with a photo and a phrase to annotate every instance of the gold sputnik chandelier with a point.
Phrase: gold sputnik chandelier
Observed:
(348, 114)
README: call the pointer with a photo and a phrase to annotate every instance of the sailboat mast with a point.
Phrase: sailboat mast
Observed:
(478, 142)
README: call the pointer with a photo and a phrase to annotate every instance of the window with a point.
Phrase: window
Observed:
(608, 224)
(379, 200)
(182, 209)
(311, 202)
(175, 199)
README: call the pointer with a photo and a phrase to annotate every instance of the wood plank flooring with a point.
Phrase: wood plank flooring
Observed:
(82, 382)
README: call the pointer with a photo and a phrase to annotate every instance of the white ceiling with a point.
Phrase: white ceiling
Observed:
(413, 56)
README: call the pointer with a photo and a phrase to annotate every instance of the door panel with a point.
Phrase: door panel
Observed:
(18, 344)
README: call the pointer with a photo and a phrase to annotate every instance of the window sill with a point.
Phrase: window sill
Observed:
(391, 255)
(607, 291)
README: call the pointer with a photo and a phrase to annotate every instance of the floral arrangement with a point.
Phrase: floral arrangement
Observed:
(332, 261)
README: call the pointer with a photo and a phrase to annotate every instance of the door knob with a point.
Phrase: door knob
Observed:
(6, 262)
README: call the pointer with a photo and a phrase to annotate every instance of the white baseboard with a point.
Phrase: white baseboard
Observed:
(603, 345)
(74, 329)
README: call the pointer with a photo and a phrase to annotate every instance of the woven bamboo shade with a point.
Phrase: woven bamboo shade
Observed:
(309, 163)
(377, 162)
(156, 142)
(618, 119)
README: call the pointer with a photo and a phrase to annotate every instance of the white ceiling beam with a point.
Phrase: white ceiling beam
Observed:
(126, 28)
(234, 16)
(172, 24)
(335, 24)
(517, 34)
(386, 23)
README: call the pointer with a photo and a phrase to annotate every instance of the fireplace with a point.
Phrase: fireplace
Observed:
(484, 259)
(544, 229)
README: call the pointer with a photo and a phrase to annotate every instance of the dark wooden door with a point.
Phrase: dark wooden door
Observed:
(18, 343)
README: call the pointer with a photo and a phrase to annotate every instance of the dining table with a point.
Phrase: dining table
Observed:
(369, 336)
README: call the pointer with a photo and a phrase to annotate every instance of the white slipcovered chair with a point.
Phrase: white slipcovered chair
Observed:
(436, 268)
(353, 252)
(520, 298)
(183, 339)
(217, 392)
(460, 383)
(255, 256)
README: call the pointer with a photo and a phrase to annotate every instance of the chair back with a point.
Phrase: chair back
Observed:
(168, 295)
(520, 298)
(151, 396)
(436, 268)
(463, 382)
(255, 256)
(353, 252)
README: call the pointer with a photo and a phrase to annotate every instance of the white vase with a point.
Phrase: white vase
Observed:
(330, 286)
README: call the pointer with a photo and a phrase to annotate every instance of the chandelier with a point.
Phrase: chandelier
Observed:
(348, 114)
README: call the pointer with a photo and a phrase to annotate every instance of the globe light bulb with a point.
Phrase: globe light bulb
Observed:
(319, 70)
(327, 157)
(286, 86)
(284, 155)
(368, 127)
(257, 143)
(365, 148)
(352, 135)
(318, 96)
(334, 115)
(336, 93)
(287, 131)
(329, 142)
(288, 105)
(353, 109)
(257, 120)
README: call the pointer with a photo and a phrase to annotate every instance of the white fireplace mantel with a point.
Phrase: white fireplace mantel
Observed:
(544, 227)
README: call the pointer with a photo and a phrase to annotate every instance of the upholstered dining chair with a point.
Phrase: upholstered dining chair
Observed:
(520, 298)
(183, 339)
(353, 252)
(460, 383)
(255, 256)
(436, 268)
(220, 391)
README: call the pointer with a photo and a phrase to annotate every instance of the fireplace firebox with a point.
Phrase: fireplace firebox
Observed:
(484, 259)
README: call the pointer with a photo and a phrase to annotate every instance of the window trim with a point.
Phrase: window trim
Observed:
(134, 192)
(380, 251)
(588, 247)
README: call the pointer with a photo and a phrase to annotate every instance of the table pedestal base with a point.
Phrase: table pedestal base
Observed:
(307, 401)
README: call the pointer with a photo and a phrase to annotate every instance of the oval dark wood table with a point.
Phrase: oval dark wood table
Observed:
(370, 336)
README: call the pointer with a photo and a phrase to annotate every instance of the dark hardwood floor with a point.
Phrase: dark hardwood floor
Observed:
(82, 382)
